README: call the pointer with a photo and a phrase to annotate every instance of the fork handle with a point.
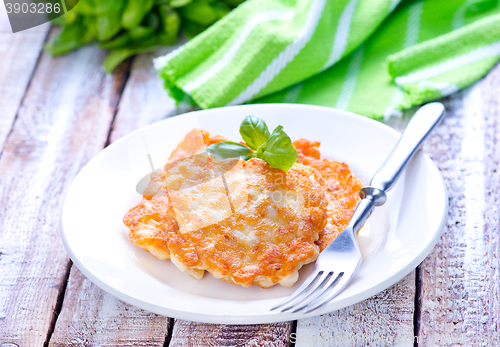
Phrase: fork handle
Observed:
(423, 122)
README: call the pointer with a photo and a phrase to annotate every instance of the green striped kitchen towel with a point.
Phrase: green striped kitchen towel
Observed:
(372, 57)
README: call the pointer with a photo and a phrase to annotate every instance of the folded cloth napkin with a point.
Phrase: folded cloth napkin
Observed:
(373, 57)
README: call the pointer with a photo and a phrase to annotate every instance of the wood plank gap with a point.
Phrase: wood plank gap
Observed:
(119, 95)
(293, 333)
(418, 307)
(57, 308)
(170, 332)
(25, 92)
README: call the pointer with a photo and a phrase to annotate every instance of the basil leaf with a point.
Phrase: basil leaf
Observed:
(278, 151)
(229, 149)
(254, 131)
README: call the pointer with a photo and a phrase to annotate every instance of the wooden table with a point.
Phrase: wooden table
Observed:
(57, 113)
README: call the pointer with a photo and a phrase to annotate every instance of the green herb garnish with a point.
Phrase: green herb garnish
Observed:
(276, 148)
(254, 132)
(278, 151)
(229, 149)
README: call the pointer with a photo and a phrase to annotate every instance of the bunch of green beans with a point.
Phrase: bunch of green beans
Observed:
(129, 27)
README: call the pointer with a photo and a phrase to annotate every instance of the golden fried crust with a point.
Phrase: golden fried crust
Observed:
(307, 148)
(342, 189)
(192, 144)
(150, 223)
(265, 242)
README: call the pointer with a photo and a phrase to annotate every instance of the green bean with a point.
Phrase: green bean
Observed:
(199, 11)
(109, 18)
(91, 24)
(120, 41)
(107, 27)
(147, 28)
(141, 32)
(178, 3)
(204, 12)
(135, 11)
(71, 36)
(70, 17)
(86, 7)
(103, 7)
(170, 24)
(115, 57)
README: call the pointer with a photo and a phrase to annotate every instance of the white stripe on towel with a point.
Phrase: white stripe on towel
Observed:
(341, 34)
(264, 16)
(286, 56)
(452, 64)
(413, 24)
(351, 78)
(160, 62)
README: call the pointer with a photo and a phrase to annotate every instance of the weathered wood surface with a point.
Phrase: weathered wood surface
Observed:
(63, 119)
(259, 335)
(19, 54)
(459, 301)
(62, 123)
(385, 319)
(92, 317)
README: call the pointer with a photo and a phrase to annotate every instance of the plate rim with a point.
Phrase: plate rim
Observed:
(258, 319)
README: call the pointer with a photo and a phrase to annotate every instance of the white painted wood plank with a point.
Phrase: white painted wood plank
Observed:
(89, 315)
(460, 297)
(385, 319)
(18, 57)
(191, 334)
(62, 123)
(92, 317)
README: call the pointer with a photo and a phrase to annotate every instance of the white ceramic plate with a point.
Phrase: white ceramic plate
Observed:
(398, 236)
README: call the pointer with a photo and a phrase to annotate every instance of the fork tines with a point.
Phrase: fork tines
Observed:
(312, 292)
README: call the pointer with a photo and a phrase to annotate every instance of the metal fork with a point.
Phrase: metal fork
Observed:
(337, 263)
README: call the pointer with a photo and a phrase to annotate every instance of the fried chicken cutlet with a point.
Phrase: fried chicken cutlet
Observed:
(341, 189)
(261, 231)
(268, 223)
